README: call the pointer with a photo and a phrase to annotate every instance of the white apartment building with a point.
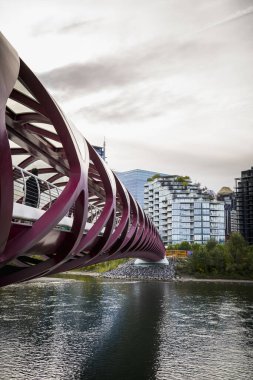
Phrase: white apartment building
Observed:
(183, 211)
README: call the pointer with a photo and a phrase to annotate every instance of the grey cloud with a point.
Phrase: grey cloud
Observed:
(52, 27)
(153, 60)
(76, 26)
(134, 105)
(77, 78)
(147, 64)
(119, 113)
(160, 57)
(110, 72)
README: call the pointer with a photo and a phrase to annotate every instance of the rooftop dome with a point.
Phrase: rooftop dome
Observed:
(225, 191)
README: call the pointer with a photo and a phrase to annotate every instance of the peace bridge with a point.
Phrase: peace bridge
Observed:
(83, 214)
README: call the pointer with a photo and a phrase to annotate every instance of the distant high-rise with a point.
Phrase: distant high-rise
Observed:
(134, 180)
(100, 150)
(228, 196)
(244, 206)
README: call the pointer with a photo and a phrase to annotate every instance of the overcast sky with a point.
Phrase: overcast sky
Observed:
(168, 83)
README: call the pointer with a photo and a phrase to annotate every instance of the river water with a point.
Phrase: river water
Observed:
(126, 330)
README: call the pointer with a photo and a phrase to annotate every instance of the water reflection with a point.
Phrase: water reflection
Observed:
(129, 350)
(202, 336)
(65, 329)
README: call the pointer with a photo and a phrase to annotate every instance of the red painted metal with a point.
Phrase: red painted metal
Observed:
(28, 251)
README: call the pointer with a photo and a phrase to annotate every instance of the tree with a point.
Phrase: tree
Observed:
(238, 249)
(185, 246)
(211, 244)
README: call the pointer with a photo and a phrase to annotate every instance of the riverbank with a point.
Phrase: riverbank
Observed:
(161, 272)
(219, 280)
(130, 271)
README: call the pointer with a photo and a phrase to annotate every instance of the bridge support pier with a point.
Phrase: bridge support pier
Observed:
(142, 262)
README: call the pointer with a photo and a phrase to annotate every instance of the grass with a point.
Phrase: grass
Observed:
(103, 267)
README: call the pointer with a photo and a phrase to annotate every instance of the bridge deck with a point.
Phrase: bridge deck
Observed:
(25, 213)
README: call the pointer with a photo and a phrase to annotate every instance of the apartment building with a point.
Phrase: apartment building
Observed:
(228, 196)
(244, 207)
(183, 211)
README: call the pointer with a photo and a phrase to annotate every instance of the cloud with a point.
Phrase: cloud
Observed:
(232, 17)
(68, 27)
(134, 104)
(144, 81)
(86, 77)
(152, 62)
(76, 26)
(112, 71)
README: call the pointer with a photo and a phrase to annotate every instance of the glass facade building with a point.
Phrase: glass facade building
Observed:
(244, 204)
(229, 198)
(183, 211)
(134, 180)
(100, 150)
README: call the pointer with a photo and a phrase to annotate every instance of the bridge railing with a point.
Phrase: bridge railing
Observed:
(38, 193)
(41, 194)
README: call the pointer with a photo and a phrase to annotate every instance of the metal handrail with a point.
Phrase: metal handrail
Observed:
(46, 197)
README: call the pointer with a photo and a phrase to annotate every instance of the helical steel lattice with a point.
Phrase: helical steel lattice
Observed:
(104, 222)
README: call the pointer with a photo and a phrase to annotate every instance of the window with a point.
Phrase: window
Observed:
(175, 231)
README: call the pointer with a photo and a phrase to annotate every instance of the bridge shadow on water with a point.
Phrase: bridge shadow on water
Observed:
(129, 350)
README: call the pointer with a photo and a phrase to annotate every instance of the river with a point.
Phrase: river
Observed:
(126, 330)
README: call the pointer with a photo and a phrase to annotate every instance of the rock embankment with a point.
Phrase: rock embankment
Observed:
(131, 271)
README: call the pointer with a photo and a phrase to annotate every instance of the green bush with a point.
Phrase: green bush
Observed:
(153, 177)
(232, 259)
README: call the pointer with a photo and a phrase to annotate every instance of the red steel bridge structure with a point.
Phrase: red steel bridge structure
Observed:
(84, 214)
